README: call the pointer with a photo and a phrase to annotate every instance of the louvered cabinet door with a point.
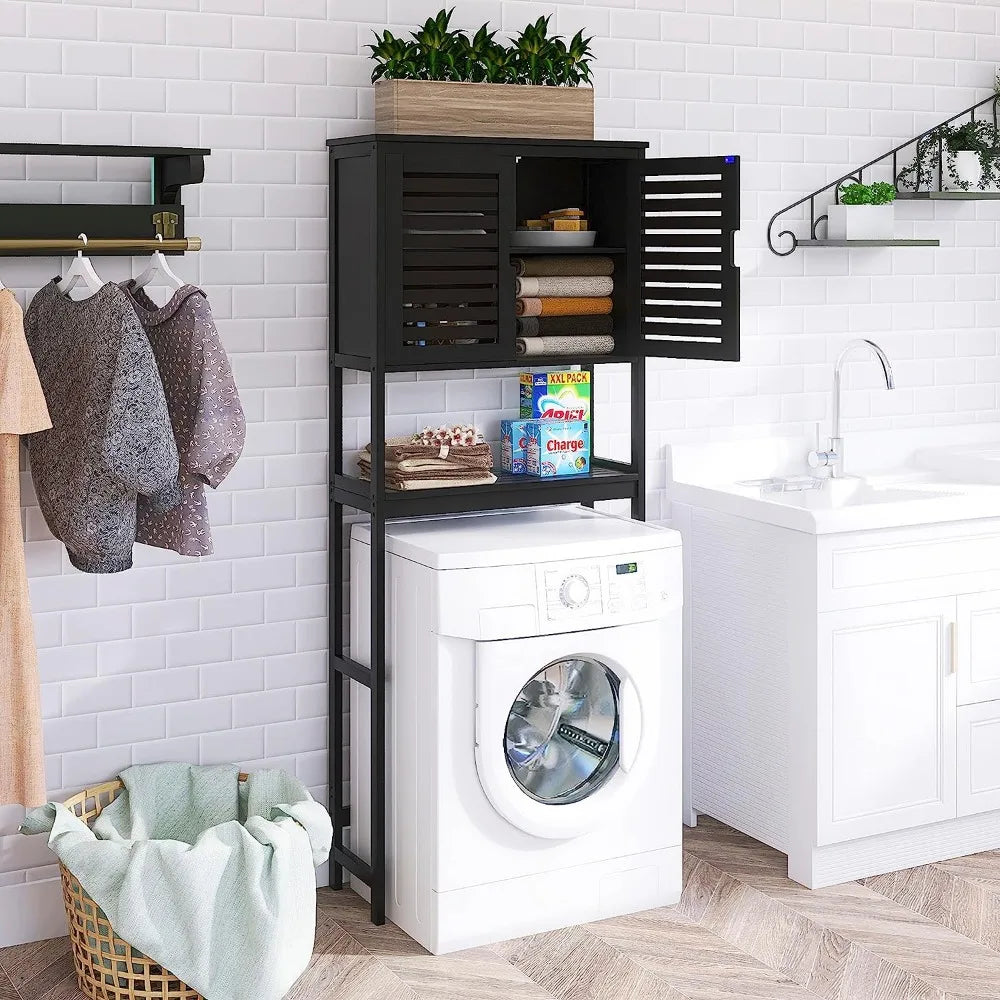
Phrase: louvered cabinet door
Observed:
(449, 284)
(689, 285)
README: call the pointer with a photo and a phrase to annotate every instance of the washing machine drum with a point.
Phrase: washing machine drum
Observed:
(559, 737)
(562, 735)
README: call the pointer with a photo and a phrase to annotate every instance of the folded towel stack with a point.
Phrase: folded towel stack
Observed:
(456, 456)
(564, 305)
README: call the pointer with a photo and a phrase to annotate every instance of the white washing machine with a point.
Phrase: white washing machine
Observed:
(533, 721)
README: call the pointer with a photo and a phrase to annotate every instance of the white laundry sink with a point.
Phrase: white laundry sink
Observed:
(853, 491)
(894, 479)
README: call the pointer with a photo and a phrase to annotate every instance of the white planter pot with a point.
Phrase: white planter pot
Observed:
(968, 168)
(860, 222)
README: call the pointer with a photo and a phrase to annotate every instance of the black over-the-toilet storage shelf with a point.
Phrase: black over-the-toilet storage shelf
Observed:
(421, 279)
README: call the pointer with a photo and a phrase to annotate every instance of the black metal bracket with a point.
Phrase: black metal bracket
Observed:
(889, 160)
(171, 169)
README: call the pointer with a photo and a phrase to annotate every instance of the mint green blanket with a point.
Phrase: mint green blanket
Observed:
(212, 878)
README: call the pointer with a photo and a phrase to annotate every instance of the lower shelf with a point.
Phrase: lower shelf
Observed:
(507, 491)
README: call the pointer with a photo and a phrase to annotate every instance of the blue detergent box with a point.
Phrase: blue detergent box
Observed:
(557, 448)
(513, 442)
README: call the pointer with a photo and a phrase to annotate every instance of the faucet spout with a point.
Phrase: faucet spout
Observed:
(833, 458)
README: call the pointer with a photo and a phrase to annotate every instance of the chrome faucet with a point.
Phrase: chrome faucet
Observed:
(833, 457)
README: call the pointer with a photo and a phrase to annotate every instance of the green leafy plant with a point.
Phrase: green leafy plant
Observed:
(879, 193)
(936, 152)
(435, 51)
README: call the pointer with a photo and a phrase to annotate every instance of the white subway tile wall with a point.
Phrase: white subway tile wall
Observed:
(225, 659)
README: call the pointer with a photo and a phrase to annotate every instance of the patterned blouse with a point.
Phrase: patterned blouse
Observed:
(205, 411)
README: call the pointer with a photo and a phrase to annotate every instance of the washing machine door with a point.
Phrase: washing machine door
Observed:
(559, 725)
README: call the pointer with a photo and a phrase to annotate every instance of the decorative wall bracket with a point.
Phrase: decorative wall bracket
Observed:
(904, 189)
(45, 229)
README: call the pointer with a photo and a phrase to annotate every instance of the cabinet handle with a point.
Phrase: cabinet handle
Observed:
(953, 666)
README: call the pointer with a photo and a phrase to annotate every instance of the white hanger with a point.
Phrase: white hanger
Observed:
(81, 270)
(158, 263)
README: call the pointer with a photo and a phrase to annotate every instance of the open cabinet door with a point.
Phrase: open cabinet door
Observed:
(689, 286)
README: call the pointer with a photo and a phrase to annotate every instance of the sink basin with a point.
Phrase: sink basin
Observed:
(834, 494)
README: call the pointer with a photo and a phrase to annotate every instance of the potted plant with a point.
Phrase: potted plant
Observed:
(442, 81)
(864, 212)
(964, 153)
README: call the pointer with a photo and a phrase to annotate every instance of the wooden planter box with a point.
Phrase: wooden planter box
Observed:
(433, 107)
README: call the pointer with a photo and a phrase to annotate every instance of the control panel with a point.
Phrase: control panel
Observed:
(584, 588)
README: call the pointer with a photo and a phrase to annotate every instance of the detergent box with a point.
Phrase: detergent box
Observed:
(513, 442)
(555, 396)
(557, 447)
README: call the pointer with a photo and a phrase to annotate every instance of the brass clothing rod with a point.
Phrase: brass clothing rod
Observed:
(190, 243)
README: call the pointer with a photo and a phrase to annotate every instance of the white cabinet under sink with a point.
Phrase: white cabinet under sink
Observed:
(843, 689)
(885, 719)
(979, 648)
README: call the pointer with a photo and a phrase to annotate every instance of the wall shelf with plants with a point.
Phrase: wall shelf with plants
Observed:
(444, 81)
(957, 160)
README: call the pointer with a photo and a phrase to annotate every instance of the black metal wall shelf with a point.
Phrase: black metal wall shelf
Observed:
(30, 230)
(870, 243)
(421, 280)
(947, 195)
(888, 161)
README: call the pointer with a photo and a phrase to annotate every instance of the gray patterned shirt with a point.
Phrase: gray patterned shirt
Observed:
(205, 410)
(111, 439)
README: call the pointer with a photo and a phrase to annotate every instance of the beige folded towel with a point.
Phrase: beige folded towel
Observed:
(528, 346)
(568, 287)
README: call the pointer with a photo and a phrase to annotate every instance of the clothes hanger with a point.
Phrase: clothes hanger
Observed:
(158, 263)
(81, 270)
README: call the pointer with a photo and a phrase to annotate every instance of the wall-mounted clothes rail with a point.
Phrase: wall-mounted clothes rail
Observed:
(187, 244)
(47, 229)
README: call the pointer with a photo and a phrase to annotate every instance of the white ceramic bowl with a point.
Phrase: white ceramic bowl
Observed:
(545, 238)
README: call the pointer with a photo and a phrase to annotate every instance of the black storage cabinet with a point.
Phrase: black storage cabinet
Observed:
(421, 279)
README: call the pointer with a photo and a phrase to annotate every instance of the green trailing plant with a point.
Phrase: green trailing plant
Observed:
(436, 51)
(936, 152)
(879, 193)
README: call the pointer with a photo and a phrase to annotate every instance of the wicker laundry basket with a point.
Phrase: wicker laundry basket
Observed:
(108, 968)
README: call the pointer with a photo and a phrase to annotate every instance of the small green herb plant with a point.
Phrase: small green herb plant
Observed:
(436, 51)
(879, 193)
(936, 151)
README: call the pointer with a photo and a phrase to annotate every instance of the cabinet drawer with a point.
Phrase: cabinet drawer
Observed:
(978, 758)
(881, 567)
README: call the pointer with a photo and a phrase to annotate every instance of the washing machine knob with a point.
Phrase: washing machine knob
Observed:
(574, 591)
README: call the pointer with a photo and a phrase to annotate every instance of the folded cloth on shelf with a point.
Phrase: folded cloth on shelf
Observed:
(212, 878)
(563, 307)
(410, 465)
(565, 287)
(570, 326)
(583, 265)
(528, 346)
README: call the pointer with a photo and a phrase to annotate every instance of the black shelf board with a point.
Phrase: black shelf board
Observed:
(507, 491)
(948, 195)
(360, 364)
(559, 251)
(68, 149)
(869, 243)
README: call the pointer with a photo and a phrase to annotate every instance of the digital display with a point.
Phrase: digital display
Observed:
(623, 568)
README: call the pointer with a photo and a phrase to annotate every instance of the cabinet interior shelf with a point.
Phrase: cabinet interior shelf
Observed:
(869, 243)
(362, 364)
(560, 251)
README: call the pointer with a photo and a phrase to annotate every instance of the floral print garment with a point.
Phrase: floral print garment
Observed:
(205, 410)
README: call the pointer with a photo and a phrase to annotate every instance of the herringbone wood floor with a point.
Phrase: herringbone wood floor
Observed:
(742, 930)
